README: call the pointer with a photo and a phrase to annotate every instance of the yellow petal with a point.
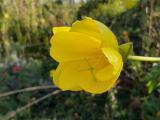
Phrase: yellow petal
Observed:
(93, 85)
(68, 46)
(105, 74)
(55, 30)
(101, 87)
(101, 68)
(86, 26)
(114, 79)
(114, 57)
(106, 77)
(96, 29)
(62, 80)
(56, 74)
(69, 75)
(108, 37)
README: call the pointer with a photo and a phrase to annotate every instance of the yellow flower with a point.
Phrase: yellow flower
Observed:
(6, 15)
(88, 57)
(130, 3)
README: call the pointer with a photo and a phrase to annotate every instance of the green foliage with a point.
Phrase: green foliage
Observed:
(151, 107)
(153, 79)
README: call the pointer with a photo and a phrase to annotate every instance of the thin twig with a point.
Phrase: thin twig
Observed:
(14, 113)
(26, 90)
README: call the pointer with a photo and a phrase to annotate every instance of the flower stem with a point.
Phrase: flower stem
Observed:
(143, 58)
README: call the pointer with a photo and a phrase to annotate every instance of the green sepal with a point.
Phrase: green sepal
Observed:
(125, 50)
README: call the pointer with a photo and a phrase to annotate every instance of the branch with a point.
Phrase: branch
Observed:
(26, 90)
(14, 113)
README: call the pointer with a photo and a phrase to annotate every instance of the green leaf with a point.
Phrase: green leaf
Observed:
(125, 50)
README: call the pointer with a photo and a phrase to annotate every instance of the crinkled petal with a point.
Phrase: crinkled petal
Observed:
(96, 29)
(56, 30)
(67, 46)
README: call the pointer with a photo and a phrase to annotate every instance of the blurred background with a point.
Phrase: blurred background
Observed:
(25, 32)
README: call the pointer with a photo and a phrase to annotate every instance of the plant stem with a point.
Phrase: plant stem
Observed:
(30, 104)
(27, 90)
(144, 58)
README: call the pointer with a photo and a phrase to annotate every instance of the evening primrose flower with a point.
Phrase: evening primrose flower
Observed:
(88, 57)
